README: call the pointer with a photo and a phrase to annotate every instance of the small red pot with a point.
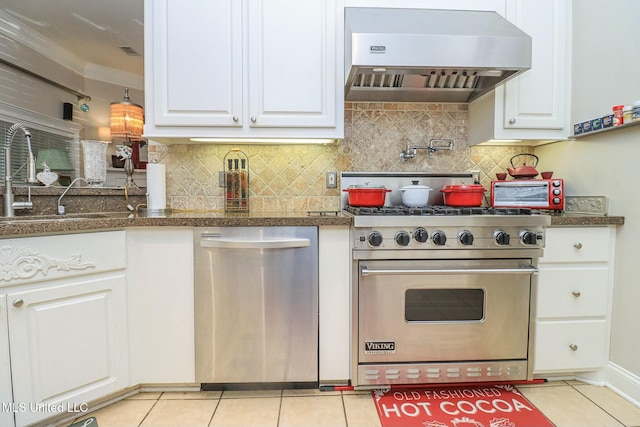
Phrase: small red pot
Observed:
(367, 196)
(463, 195)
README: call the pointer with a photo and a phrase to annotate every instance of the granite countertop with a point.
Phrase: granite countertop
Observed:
(21, 226)
(566, 219)
(74, 223)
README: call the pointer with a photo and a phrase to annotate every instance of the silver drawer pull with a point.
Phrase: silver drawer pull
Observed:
(576, 293)
(573, 347)
(18, 302)
(577, 245)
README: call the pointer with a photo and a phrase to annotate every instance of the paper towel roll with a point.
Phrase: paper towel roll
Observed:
(156, 186)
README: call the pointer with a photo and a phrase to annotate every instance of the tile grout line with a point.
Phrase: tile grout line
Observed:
(344, 410)
(214, 410)
(596, 403)
(150, 409)
(280, 408)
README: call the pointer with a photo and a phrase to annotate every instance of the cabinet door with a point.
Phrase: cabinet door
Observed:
(160, 305)
(68, 343)
(572, 292)
(6, 397)
(292, 63)
(194, 59)
(569, 346)
(577, 244)
(538, 98)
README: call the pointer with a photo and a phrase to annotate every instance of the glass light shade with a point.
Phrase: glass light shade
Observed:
(54, 158)
(127, 119)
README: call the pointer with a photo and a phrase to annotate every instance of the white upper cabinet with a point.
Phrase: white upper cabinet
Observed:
(536, 104)
(244, 68)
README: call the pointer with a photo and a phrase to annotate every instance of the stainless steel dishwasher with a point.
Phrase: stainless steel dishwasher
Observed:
(256, 305)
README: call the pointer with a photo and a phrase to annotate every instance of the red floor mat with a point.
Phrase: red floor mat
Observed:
(462, 406)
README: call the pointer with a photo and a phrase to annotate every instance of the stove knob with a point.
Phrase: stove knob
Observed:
(375, 238)
(502, 238)
(439, 238)
(465, 237)
(528, 237)
(421, 235)
(402, 238)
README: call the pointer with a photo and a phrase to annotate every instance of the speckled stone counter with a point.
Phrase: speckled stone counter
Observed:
(77, 223)
(566, 220)
(85, 222)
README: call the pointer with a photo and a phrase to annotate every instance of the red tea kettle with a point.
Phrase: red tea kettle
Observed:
(523, 171)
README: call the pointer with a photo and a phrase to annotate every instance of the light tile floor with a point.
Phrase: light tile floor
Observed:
(566, 404)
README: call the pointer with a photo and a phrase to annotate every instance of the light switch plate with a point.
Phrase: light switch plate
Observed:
(332, 179)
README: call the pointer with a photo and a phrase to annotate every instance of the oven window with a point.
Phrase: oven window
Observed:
(444, 305)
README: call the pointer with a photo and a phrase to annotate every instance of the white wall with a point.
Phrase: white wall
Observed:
(606, 64)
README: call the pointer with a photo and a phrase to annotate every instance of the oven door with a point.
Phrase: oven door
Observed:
(437, 311)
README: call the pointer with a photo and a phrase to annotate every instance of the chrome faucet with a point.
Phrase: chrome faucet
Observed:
(60, 210)
(9, 205)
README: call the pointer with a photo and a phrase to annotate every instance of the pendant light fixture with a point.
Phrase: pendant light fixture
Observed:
(126, 119)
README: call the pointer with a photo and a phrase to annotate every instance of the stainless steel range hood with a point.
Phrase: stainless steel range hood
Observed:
(428, 55)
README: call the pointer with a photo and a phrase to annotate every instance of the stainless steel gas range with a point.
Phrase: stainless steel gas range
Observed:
(440, 294)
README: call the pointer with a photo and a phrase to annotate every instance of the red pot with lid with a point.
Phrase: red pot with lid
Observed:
(367, 196)
(463, 195)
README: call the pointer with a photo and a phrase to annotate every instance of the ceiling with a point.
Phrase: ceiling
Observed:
(92, 30)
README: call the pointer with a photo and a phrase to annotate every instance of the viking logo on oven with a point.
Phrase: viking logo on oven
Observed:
(379, 347)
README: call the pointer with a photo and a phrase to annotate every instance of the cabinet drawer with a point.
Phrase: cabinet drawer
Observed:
(572, 292)
(46, 258)
(569, 345)
(576, 244)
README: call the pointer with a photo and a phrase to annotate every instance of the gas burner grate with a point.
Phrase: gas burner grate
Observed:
(434, 211)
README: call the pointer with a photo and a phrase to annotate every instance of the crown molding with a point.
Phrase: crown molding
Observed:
(20, 33)
(111, 75)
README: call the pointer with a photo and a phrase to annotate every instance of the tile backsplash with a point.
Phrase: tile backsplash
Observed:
(292, 177)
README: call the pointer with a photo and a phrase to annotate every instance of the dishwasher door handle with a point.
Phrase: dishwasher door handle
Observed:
(255, 244)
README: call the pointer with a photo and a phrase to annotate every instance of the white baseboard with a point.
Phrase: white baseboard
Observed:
(623, 382)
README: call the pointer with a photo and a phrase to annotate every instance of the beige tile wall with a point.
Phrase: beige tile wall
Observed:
(293, 177)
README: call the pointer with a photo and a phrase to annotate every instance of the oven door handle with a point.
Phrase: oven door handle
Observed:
(364, 271)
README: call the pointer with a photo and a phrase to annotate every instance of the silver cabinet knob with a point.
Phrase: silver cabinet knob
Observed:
(236, 119)
(18, 302)
(253, 119)
(577, 245)
(576, 293)
(573, 347)
(512, 121)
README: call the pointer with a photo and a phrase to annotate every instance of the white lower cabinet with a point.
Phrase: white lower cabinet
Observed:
(63, 306)
(571, 345)
(334, 307)
(6, 394)
(161, 314)
(573, 306)
(69, 344)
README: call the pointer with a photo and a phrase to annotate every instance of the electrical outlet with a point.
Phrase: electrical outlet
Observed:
(332, 179)
(475, 176)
